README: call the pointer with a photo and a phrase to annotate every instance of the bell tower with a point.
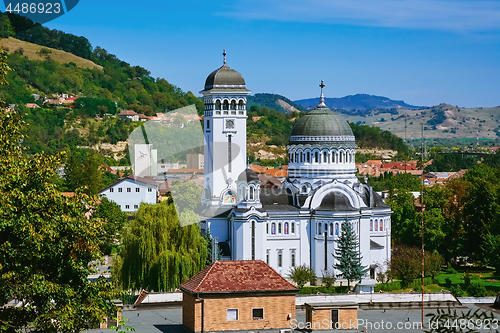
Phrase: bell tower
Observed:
(225, 132)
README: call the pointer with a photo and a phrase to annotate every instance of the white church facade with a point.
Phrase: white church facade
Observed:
(300, 223)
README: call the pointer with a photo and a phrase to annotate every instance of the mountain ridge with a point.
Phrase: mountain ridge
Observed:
(359, 102)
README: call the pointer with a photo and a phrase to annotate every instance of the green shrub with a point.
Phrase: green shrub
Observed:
(301, 275)
(476, 289)
(457, 291)
(450, 270)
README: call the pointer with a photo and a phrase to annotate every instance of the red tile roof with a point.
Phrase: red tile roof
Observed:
(257, 168)
(277, 172)
(237, 276)
(128, 113)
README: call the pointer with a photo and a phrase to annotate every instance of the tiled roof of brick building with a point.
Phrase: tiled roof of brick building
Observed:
(227, 276)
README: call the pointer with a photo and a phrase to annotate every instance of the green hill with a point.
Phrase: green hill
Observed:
(273, 101)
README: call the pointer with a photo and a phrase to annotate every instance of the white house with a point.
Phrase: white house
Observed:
(131, 191)
(300, 223)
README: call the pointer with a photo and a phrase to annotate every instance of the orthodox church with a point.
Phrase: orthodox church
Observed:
(300, 223)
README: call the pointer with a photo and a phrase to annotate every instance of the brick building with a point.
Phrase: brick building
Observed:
(237, 295)
(328, 316)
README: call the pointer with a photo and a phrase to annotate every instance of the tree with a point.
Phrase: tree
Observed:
(405, 223)
(406, 264)
(301, 275)
(433, 262)
(186, 195)
(114, 220)
(347, 255)
(158, 254)
(47, 242)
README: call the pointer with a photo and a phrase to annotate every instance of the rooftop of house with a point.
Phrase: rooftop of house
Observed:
(230, 276)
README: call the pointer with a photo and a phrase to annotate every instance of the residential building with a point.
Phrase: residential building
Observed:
(130, 192)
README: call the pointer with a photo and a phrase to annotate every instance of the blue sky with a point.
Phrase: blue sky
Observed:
(424, 52)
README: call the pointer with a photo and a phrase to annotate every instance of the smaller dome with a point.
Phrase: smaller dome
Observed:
(225, 77)
(248, 176)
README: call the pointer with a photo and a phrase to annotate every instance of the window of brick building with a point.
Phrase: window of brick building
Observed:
(232, 314)
(258, 314)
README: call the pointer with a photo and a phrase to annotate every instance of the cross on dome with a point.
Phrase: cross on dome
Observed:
(224, 54)
(322, 97)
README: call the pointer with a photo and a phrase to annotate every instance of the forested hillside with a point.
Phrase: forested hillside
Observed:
(118, 85)
(273, 101)
(131, 87)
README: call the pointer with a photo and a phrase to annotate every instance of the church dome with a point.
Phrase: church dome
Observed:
(321, 125)
(321, 122)
(248, 175)
(225, 78)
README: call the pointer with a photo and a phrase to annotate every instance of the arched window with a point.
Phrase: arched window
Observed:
(340, 157)
(304, 189)
(252, 190)
(381, 225)
(240, 105)
(225, 105)
(308, 159)
(286, 228)
(279, 228)
(233, 105)
(217, 105)
(296, 157)
(273, 228)
(336, 229)
(371, 225)
(316, 157)
(376, 225)
(325, 157)
(331, 229)
(293, 227)
(319, 228)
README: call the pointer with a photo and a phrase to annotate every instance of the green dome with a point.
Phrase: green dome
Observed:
(321, 125)
(225, 78)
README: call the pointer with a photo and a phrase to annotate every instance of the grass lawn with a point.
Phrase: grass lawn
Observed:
(489, 279)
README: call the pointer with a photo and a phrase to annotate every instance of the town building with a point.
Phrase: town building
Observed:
(130, 192)
(300, 222)
(237, 295)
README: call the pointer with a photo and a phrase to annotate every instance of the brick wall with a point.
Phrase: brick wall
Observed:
(349, 318)
(321, 319)
(276, 312)
(191, 312)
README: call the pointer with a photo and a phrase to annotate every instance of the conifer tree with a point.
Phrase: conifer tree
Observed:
(347, 255)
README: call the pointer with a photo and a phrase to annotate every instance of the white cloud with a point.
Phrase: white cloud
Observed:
(454, 15)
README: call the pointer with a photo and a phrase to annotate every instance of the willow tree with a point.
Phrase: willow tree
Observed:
(158, 254)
